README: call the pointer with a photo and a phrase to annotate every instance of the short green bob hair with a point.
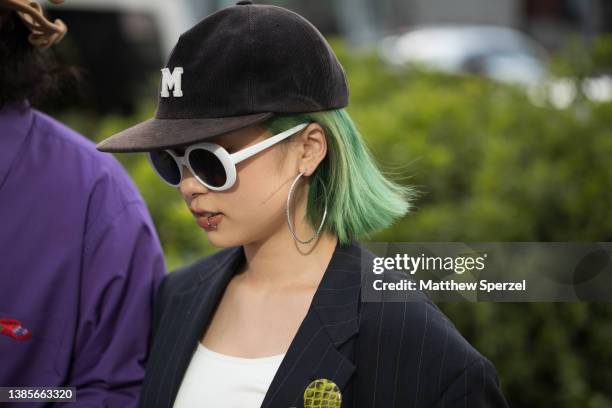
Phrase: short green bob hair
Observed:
(361, 200)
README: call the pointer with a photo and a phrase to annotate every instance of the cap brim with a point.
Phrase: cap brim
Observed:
(154, 134)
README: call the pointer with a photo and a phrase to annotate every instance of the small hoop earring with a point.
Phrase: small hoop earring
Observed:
(289, 214)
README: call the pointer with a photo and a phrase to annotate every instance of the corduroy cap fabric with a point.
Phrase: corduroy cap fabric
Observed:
(236, 68)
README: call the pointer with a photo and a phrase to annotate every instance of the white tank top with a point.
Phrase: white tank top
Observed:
(222, 381)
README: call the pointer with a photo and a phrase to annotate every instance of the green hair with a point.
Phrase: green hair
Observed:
(361, 200)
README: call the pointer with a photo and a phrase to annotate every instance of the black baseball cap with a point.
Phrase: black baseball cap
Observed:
(236, 68)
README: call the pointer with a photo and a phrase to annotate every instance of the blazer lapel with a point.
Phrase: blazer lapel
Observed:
(331, 321)
(193, 310)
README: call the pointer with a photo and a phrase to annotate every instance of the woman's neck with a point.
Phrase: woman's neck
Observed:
(280, 262)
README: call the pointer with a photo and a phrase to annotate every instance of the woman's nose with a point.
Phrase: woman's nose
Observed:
(190, 186)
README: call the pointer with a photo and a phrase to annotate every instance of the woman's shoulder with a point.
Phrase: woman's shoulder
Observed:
(412, 338)
(414, 320)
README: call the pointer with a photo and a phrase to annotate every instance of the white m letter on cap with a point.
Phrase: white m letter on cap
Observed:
(171, 81)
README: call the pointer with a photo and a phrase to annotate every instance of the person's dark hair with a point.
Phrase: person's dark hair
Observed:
(25, 71)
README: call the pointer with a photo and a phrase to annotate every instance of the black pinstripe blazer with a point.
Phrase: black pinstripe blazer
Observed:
(380, 354)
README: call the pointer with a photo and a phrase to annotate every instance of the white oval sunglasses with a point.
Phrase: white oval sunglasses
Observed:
(210, 164)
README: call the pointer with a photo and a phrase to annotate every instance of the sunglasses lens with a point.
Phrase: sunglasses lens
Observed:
(208, 167)
(166, 166)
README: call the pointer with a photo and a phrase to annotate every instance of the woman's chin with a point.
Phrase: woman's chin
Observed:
(220, 239)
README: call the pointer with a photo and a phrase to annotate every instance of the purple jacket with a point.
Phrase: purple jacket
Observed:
(80, 262)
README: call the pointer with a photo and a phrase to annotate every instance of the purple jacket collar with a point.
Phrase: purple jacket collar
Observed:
(16, 121)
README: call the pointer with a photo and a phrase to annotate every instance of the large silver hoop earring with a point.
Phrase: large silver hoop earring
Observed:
(289, 213)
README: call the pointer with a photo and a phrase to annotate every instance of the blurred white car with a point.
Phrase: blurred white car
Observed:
(500, 53)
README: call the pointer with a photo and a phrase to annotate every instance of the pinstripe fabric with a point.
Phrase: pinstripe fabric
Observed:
(392, 353)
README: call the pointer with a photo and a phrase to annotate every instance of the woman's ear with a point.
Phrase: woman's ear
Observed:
(314, 148)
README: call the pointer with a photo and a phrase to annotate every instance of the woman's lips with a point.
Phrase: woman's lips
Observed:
(209, 222)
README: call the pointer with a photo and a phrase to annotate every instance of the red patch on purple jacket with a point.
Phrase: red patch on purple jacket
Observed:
(14, 329)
